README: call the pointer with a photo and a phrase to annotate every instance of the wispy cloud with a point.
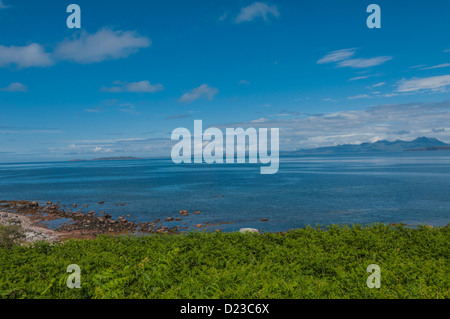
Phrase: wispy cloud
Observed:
(443, 65)
(364, 63)
(257, 10)
(434, 83)
(32, 55)
(134, 87)
(15, 87)
(114, 105)
(378, 84)
(244, 82)
(359, 78)
(145, 147)
(128, 108)
(26, 131)
(204, 91)
(105, 44)
(361, 96)
(343, 58)
(418, 66)
(336, 56)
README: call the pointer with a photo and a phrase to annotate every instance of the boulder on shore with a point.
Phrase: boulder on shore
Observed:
(248, 230)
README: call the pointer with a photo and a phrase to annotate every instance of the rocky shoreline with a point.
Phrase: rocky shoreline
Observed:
(31, 231)
(31, 216)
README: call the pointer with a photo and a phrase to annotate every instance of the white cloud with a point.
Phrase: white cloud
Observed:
(257, 10)
(434, 83)
(103, 45)
(32, 55)
(260, 120)
(364, 63)
(378, 84)
(356, 97)
(203, 91)
(389, 121)
(447, 50)
(135, 87)
(417, 66)
(359, 78)
(342, 57)
(336, 56)
(244, 82)
(118, 147)
(15, 87)
(443, 65)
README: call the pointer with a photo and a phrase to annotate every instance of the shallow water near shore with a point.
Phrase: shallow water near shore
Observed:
(308, 190)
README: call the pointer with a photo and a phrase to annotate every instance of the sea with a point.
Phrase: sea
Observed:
(316, 190)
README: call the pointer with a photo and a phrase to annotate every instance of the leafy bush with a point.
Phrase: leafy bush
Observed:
(10, 235)
(305, 263)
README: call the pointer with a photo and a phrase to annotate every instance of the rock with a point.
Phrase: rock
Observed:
(184, 212)
(168, 219)
(86, 205)
(91, 212)
(107, 216)
(178, 219)
(197, 212)
(199, 225)
(48, 202)
(122, 204)
(101, 203)
(248, 230)
(75, 205)
(429, 226)
(264, 219)
(33, 204)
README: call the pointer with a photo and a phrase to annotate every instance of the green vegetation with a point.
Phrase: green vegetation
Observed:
(10, 235)
(305, 263)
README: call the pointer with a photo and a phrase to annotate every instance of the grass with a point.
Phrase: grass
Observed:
(316, 262)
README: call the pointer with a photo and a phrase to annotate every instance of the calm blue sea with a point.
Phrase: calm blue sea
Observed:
(413, 188)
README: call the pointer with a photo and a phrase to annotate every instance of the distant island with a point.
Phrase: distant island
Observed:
(419, 144)
(119, 158)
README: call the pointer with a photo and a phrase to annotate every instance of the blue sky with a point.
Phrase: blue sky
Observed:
(137, 70)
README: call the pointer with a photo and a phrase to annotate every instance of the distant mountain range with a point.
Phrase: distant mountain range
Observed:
(419, 144)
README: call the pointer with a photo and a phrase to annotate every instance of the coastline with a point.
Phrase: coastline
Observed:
(31, 231)
(34, 217)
